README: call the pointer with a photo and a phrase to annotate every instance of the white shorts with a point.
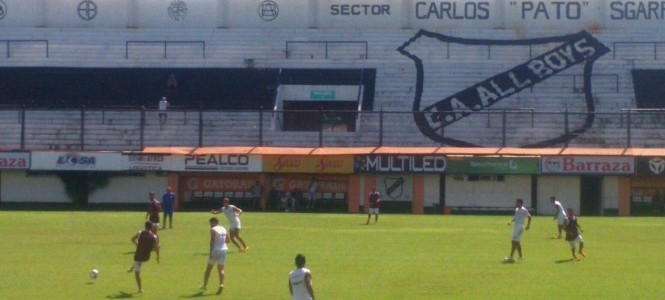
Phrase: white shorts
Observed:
(373, 211)
(218, 257)
(576, 242)
(137, 266)
(234, 227)
(517, 233)
(561, 220)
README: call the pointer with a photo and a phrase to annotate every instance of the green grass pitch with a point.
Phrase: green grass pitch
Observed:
(47, 255)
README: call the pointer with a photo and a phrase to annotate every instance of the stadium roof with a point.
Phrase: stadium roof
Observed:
(487, 151)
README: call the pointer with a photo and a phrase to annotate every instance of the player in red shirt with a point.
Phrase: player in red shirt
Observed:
(374, 204)
(154, 208)
(145, 241)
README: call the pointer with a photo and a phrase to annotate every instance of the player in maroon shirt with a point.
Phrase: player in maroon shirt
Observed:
(154, 208)
(573, 236)
(374, 204)
(145, 241)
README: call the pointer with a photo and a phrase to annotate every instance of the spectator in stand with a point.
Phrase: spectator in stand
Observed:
(172, 87)
(284, 201)
(313, 187)
(297, 199)
(163, 107)
(273, 198)
(257, 190)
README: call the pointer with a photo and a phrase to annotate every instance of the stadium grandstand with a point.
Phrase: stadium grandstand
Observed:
(572, 89)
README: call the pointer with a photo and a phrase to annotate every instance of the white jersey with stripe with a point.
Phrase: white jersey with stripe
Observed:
(521, 213)
(298, 285)
(562, 213)
(220, 238)
(232, 216)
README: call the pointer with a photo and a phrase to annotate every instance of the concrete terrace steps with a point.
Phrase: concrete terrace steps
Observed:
(395, 87)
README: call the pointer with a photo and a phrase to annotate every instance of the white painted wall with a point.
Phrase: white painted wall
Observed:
(23, 13)
(610, 192)
(488, 193)
(519, 15)
(245, 14)
(432, 190)
(130, 189)
(17, 186)
(172, 14)
(565, 188)
(77, 13)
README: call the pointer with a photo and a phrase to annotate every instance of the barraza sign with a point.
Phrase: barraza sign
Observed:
(588, 165)
(14, 160)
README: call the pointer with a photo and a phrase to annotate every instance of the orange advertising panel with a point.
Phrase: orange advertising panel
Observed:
(323, 164)
(326, 184)
(218, 184)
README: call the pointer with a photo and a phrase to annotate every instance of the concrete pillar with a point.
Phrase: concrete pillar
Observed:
(418, 204)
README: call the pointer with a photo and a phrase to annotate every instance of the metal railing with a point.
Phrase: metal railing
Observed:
(8, 43)
(165, 45)
(326, 46)
(133, 128)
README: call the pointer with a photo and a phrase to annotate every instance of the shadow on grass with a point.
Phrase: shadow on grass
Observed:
(553, 238)
(128, 253)
(563, 261)
(230, 252)
(198, 295)
(121, 295)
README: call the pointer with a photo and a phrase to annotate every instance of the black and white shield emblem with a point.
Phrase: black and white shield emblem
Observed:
(518, 66)
(394, 187)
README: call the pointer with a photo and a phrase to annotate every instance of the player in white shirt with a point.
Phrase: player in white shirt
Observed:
(233, 213)
(218, 249)
(559, 215)
(521, 213)
(300, 281)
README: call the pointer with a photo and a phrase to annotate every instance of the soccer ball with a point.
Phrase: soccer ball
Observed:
(94, 274)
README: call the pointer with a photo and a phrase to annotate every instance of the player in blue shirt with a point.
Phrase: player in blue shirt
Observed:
(168, 203)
